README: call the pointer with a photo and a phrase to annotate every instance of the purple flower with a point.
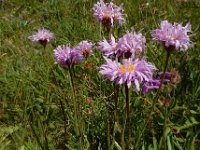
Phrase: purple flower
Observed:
(155, 83)
(109, 48)
(131, 44)
(173, 36)
(167, 75)
(85, 48)
(128, 72)
(43, 36)
(108, 13)
(110, 69)
(147, 88)
(66, 56)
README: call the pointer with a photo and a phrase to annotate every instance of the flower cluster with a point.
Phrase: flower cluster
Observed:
(128, 71)
(43, 36)
(131, 44)
(173, 36)
(128, 46)
(109, 48)
(108, 13)
(65, 55)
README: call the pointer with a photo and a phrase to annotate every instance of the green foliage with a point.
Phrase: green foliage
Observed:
(33, 88)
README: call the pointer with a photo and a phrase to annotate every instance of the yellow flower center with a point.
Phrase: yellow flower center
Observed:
(130, 68)
(122, 69)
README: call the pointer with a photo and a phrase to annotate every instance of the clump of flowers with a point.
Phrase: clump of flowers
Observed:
(66, 56)
(85, 48)
(131, 44)
(173, 36)
(128, 71)
(43, 36)
(109, 48)
(108, 13)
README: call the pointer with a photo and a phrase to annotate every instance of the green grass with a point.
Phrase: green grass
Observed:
(32, 86)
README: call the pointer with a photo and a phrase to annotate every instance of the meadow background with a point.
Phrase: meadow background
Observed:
(34, 89)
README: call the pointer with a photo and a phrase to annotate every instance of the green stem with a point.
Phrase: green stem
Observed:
(155, 99)
(122, 136)
(108, 136)
(128, 116)
(116, 91)
(164, 71)
(76, 122)
(64, 117)
(44, 132)
(164, 129)
(36, 136)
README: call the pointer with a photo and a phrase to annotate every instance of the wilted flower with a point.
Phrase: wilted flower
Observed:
(109, 48)
(128, 72)
(164, 102)
(173, 36)
(173, 76)
(131, 44)
(85, 48)
(66, 56)
(43, 36)
(108, 13)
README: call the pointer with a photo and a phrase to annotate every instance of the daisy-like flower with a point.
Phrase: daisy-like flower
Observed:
(108, 13)
(109, 48)
(128, 72)
(43, 36)
(131, 44)
(110, 69)
(66, 56)
(173, 36)
(85, 48)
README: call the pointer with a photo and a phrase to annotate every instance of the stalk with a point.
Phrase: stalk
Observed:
(44, 133)
(164, 129)
(156, 97)
(128, 115)
(165, 68)
(64, 117)
(36, 136)
(76, 122)
(116, 90)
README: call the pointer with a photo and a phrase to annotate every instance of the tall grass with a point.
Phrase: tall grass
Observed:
(35, 92)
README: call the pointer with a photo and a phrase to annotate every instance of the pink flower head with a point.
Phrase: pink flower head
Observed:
(108, 13)
(131, 44)
(128, 72)
(110, 69)
(43, 36)
(109, 48)
(85, 48)
(173, 36)
(66, 56)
